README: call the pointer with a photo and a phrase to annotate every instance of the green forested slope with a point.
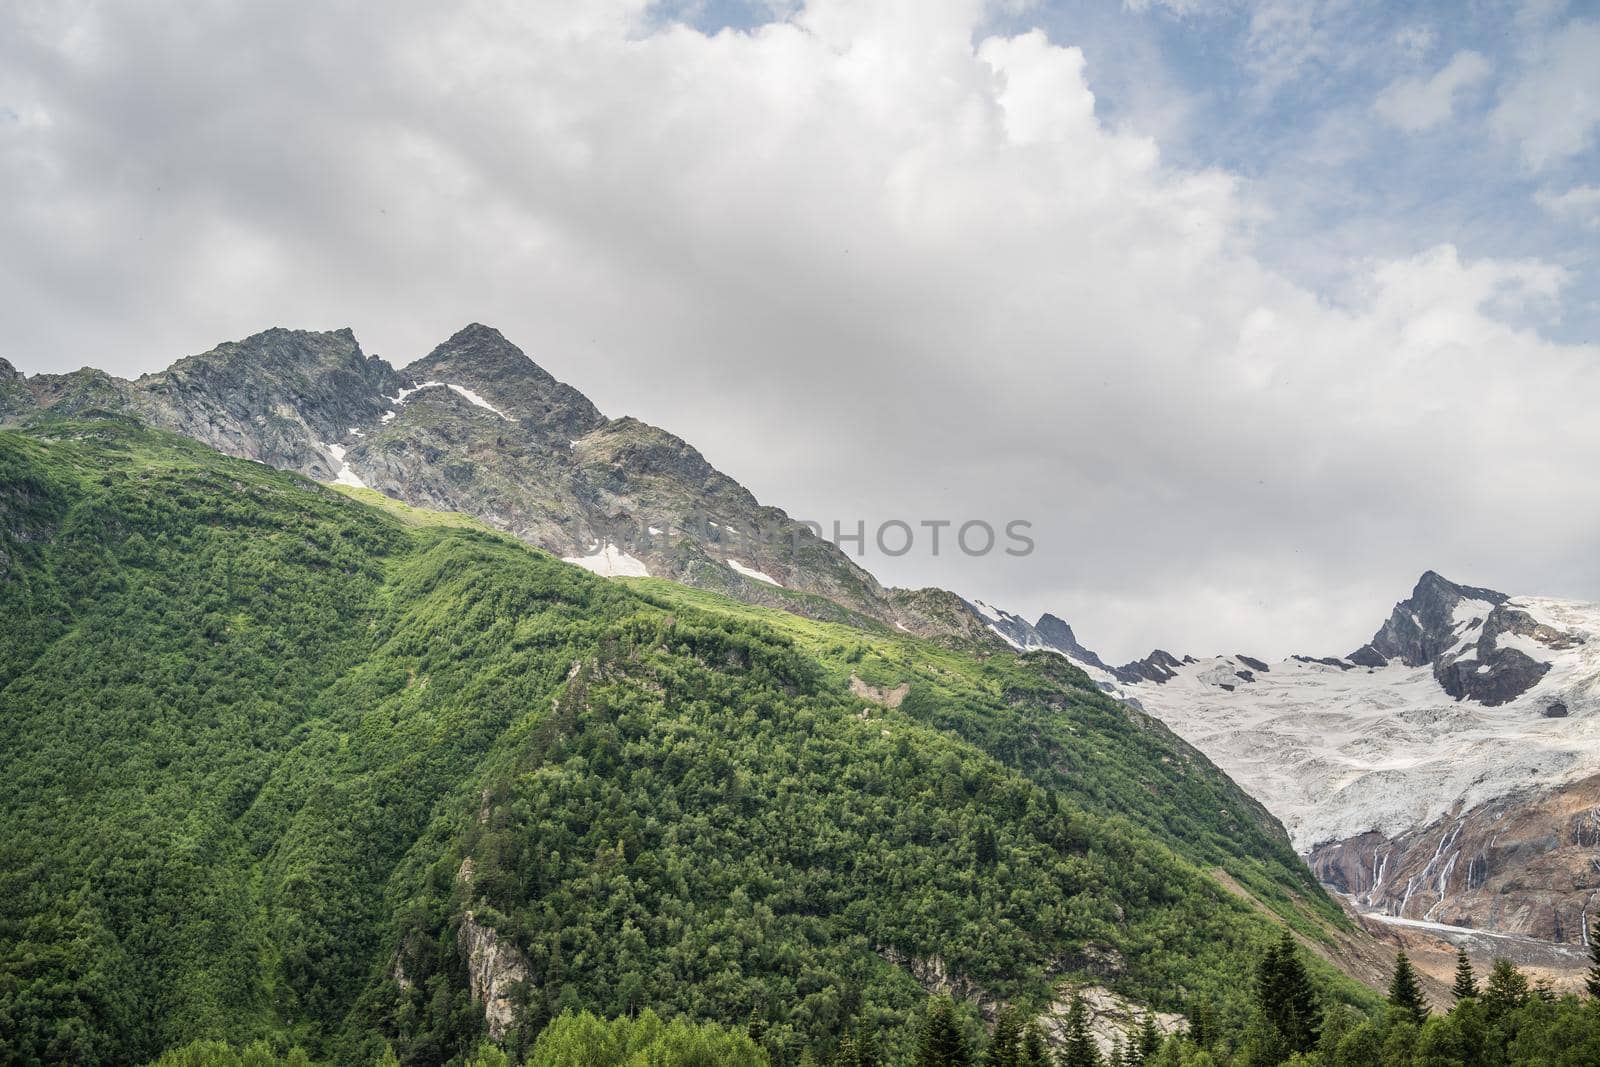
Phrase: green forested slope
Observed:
(264, 747)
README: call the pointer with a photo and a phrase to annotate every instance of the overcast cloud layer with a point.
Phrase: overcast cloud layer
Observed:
(877, 260)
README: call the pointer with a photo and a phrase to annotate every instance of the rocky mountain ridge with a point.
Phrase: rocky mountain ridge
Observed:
(476, 426)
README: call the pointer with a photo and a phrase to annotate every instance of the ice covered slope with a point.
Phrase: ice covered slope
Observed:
(1335, 751)
(1501, 696)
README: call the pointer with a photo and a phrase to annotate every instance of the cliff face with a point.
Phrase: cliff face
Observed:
(1523, 864)
(494, 970)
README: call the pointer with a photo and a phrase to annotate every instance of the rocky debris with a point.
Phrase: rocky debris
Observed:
(889, 698)
(1433, 952)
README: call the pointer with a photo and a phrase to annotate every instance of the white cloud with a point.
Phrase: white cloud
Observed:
(1579, 204)
(871, 267)
(1552, 109)
(1184, 7)
(1416, 41)
(1415, 104)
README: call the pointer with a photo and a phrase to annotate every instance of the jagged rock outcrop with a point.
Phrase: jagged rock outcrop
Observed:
(1059, 636)
(1159, 666)
(1509, 657)
(494, 970)
(1425, 625)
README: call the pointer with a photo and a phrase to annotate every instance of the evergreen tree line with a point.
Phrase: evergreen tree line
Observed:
(1503, 1021)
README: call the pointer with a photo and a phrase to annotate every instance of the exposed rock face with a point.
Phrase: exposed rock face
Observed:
(1111, 1017)
(494, 969)
(1523, 864)
(1423, 627)
(889, 697)
(477, 427)
(280, 397)
(511, 381)
(1059, 636)
(1502, 665)
(1159, 666)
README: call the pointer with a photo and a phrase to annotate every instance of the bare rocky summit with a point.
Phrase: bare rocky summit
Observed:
(477, 427)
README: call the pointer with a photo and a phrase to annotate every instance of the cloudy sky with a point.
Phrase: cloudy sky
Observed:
(1254, 310)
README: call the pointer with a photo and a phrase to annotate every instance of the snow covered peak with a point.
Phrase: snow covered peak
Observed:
(1336, 748)
(1426, 625)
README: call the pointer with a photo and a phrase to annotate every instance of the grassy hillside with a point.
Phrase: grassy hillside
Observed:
(274, 761)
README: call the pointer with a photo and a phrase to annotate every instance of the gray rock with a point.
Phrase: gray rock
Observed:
(1423, 626)
(1059, 636)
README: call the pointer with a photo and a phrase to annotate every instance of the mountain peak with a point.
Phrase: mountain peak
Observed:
(1424, 625)
(486, 350)
(275, 350)
(1059, 636)
(480, 357)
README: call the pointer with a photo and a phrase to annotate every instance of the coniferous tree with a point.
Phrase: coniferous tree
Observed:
(1466, 986)
(868, 1053)
(1149, 1039)
(1035, 1053)
(1288, 1003)
(1005, 1047)
(1593, 979)
(1506, 990)
(943, 1044)
(1080, 1049)
(1202, 1024)
(1118, 1057)
(1545, 991)
(1405, 992)
(846, 1054)
(756, 1028)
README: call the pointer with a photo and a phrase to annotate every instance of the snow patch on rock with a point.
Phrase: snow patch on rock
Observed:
(609, 561)
(749, 572)
(344, 475)
(472, 397)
